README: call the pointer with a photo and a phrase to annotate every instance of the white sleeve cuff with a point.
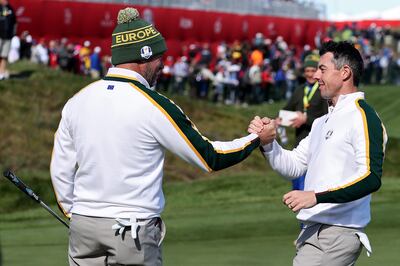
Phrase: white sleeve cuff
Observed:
(252, 136)
(267, 149)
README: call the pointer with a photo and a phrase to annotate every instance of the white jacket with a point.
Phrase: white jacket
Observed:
(343, 156)
(109, 148)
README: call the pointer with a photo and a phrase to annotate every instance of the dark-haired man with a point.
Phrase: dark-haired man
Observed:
(343, 157)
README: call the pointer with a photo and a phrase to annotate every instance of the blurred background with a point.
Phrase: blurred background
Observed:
(232, 217)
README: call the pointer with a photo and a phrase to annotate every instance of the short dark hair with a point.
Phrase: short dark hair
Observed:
(344, 53)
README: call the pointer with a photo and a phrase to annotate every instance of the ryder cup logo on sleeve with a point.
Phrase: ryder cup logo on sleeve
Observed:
(328, 134)
(146, 52)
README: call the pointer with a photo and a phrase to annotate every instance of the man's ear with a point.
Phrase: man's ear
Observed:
(346, 73)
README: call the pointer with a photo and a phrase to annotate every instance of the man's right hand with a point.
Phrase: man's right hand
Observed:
(265, 128)
(256, 125)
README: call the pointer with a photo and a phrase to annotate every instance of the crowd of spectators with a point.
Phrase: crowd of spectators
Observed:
(380, 47)
(265, 70)
(61, 54)
(247, 72)
(239, 73)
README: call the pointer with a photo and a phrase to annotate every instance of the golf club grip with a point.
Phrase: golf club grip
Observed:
(19, 184)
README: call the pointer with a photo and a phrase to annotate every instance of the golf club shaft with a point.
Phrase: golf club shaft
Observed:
(29, 192)
(53, 213)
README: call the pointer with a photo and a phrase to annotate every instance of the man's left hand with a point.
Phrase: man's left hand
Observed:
(297, 200)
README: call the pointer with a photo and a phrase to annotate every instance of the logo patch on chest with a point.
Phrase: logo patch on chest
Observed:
(328, 134)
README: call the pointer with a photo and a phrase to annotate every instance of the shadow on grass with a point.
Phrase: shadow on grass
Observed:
(25, 74)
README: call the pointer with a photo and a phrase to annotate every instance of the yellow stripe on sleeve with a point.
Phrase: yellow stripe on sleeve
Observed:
(366, 134)
(234, 150)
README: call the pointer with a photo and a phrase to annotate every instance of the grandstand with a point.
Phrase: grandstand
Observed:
(276, 8)
(197, 21)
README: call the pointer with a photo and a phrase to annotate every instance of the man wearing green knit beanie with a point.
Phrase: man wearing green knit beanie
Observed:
(109, 150)
(114, 198)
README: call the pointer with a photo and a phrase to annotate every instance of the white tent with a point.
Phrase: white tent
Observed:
(389, 14)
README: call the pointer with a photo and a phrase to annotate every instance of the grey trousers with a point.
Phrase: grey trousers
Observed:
(321, 245)
(92, 242)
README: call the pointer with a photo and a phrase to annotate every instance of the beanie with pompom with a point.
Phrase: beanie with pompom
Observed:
(135, 40)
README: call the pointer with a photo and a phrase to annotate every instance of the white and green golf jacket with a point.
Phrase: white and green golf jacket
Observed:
(343, 157)
(109, 148)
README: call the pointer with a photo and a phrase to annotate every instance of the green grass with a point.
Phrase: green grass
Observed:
(384, 99)
(233, 217)
(225, 220)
